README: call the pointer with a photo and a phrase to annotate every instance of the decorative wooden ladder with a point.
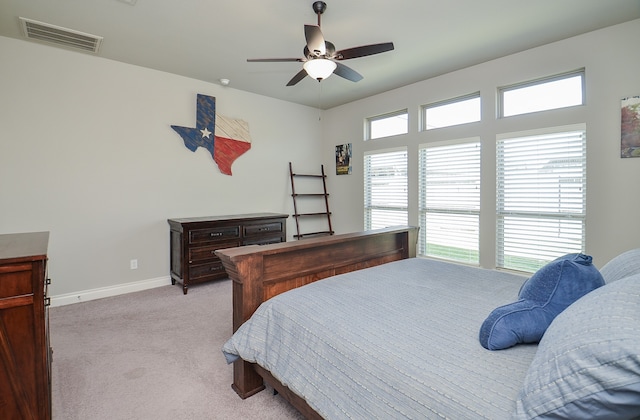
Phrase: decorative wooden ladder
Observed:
(310, 197)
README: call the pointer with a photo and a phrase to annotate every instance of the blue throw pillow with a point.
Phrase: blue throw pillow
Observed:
(542, 297)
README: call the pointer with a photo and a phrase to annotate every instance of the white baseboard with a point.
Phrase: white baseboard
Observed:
(102, 292)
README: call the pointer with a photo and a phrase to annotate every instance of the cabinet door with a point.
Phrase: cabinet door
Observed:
(18, 343)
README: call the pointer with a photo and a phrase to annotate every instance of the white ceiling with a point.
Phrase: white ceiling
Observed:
(211, 40)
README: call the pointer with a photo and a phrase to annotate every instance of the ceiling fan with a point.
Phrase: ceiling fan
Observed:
(320, 56)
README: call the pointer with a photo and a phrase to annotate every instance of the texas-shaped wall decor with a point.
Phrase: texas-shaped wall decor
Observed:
(225, 138)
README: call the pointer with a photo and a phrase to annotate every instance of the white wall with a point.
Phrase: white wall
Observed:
(612, 72)
(87, 153)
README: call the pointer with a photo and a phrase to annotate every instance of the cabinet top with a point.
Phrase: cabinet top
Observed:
(250, 216)
(16, 247)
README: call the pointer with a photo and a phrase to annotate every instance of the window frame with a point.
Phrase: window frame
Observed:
(367, 205)
(369, 120)
(424, 108)
(541, 81)
(465, 211)
(552, 249)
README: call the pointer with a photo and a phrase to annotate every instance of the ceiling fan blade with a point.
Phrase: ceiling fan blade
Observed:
(363, 51)
(273, 60)
(299, 76)
(347, 72)
(315, 40)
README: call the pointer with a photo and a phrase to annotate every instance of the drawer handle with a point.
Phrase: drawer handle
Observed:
(216, 234)
(264, 229)
(215, 268)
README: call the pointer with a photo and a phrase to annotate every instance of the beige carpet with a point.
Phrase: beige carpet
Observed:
(153, 354)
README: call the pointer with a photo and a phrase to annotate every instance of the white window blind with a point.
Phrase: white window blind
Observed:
(450, 202)
(385, 189)
(541, 195)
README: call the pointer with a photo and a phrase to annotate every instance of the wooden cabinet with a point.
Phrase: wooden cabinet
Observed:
(25, 362)
(194, 240)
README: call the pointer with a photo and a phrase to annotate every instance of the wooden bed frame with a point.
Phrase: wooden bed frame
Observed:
(260, 272)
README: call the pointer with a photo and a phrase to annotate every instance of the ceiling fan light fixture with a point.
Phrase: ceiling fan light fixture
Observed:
(319, 68)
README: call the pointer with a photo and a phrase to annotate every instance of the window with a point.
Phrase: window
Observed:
(541, 194)
(387, 125)
(539, 95)
(385, 189)
(450, 202)
(457, 111)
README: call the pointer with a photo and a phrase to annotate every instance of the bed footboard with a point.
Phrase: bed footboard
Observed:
(260, 272)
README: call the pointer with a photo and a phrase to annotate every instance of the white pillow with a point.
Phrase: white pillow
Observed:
(588, 362)
(624, 265)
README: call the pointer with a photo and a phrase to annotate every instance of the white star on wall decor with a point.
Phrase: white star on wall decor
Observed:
(205, 132)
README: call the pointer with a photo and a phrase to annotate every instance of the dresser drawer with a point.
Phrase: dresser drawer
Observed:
(213, 234)
(260, 240)
(206, 270)
(15, 280)
(263, 229)
(203, 253)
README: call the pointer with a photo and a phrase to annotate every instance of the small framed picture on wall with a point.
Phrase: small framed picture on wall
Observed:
(343, 159)
(630, 127)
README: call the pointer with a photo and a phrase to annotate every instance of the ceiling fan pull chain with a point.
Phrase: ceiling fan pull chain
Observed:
(320, 103)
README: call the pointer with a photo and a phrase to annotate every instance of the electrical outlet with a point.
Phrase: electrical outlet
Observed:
(133, 264)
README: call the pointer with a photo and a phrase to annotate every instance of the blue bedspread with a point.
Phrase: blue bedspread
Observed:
(394, 341)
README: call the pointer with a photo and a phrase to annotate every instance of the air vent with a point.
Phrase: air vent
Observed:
(59, 36)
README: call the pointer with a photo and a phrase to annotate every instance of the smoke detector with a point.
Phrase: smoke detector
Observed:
(59, 36)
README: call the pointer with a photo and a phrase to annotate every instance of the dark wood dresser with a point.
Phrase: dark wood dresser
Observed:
(25, 356)
(194, 241)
